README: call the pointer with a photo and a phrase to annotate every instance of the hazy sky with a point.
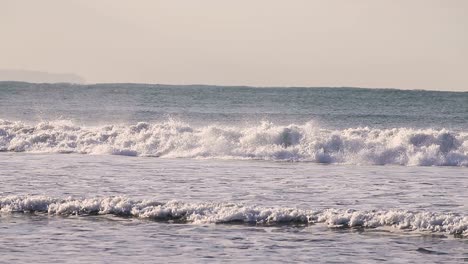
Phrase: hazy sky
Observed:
(410, 44)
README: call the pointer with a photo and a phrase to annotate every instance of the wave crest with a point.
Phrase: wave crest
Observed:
(218, 213)
(266, 141)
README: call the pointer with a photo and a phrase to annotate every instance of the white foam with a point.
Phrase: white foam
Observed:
(307, 142)
(217, 213)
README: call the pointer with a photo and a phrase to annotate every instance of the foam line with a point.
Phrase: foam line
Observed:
(219, 213)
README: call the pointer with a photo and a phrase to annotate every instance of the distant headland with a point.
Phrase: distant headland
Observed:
(39, 77)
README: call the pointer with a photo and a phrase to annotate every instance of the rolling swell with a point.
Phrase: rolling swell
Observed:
(265, 141)
(219, 213)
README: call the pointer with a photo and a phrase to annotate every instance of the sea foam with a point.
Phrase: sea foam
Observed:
(219, 213)
(265, 141)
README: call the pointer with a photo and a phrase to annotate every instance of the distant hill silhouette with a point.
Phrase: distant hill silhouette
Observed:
(39, 77)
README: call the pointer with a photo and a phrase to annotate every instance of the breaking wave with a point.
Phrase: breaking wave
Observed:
(219, 213)
(265, 141)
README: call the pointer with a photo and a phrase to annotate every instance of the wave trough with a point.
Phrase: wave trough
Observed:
(219, 213)
(266, 141)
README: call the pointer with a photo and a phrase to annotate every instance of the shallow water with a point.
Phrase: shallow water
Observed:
(302, 185)
(66, 237)
(45, 239)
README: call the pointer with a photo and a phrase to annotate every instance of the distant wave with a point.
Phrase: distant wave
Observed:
(265, 141)
(219, 213)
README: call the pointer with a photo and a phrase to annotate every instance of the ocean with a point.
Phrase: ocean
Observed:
(140, 173)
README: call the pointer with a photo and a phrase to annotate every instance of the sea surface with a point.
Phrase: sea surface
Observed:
(139, 173)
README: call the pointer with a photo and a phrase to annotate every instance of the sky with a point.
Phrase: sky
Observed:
(406, 44)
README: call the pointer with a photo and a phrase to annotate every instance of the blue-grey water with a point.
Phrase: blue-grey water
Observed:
(331, 107)
(124, 173)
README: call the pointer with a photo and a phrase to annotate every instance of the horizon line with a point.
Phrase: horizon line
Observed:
(236, 86)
